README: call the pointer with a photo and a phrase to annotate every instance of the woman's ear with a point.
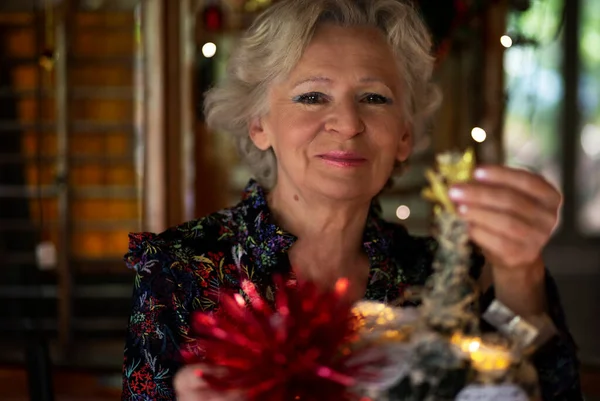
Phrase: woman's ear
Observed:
(258, 135)
(405, 145)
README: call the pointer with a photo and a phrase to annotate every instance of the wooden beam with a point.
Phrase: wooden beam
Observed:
(189, 154)
(492, 98)
(170, 157)
(570, 124)
(153, 80)
(65, 279)
(172, 108)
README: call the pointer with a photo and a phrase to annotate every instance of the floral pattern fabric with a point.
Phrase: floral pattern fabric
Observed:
(186, 267)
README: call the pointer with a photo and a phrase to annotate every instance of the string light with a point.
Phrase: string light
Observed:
(485, 357)
(209, 49)
(478, 134)
(403, 212)
(506, 41)
(474, 345)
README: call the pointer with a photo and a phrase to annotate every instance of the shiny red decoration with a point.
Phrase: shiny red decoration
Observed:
(296, 350)
(213, 18)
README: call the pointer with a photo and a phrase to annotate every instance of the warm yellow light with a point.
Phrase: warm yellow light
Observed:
(474, 345)
(483, 357)
(490, 359)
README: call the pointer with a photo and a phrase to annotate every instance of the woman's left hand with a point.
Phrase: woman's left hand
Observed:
(512, 214)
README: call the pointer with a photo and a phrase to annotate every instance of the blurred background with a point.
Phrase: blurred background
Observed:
(101, 133)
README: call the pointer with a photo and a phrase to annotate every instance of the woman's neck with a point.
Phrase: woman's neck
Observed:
(330, 233)
(309, 217)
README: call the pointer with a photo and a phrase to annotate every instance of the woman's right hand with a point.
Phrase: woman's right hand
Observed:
(189, 386)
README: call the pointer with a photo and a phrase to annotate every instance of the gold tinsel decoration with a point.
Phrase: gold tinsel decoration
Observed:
(453, 169)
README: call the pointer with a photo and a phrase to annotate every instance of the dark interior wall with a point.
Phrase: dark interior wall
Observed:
(13, 210)
(576, 269)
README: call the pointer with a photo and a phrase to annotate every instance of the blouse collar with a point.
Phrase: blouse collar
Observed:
(268, 243)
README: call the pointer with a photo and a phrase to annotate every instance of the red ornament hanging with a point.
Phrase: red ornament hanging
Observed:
(213, 18)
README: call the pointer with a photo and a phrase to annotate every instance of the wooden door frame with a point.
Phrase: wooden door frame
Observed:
(169, 140)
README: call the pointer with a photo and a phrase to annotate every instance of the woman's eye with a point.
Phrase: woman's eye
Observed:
(374, 98)
(310, 98)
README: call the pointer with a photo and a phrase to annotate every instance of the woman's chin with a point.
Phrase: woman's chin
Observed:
(346, 189)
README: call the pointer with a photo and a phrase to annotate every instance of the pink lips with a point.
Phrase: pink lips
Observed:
(342, 159)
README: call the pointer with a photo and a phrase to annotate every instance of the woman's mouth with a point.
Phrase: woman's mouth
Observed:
(343, 159)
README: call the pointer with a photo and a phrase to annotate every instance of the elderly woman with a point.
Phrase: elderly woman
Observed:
(324, 98)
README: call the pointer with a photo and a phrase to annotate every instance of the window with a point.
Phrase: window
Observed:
(535, 90)
(70, 184)
(588, 146)
(553, 110)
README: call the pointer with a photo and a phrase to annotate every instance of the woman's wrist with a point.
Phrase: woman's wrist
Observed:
(522, 289)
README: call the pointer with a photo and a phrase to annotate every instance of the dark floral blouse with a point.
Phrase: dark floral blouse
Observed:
(184, 268)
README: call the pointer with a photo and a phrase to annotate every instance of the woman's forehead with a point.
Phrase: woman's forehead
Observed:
(335, 35)
(335, 53)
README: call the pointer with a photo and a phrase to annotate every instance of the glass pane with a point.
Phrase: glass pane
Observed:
(588, 174)
(102, 141)
(534, 89)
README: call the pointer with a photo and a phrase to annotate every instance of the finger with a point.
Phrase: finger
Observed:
(524, 181)
(505, 225)
(505, 200)
(510, 253)
(189, 379)
(190, 386)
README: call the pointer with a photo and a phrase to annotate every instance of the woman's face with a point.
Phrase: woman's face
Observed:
(335, 123)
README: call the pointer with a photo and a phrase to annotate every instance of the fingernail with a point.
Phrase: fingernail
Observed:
(456, 193)
(462, 209)
(480, 174)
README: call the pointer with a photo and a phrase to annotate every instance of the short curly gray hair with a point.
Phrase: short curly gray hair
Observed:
(274, 44)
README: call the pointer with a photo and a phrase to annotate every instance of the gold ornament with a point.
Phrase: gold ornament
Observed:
(453, 168)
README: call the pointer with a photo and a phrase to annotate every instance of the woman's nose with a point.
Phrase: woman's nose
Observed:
(345, 119)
